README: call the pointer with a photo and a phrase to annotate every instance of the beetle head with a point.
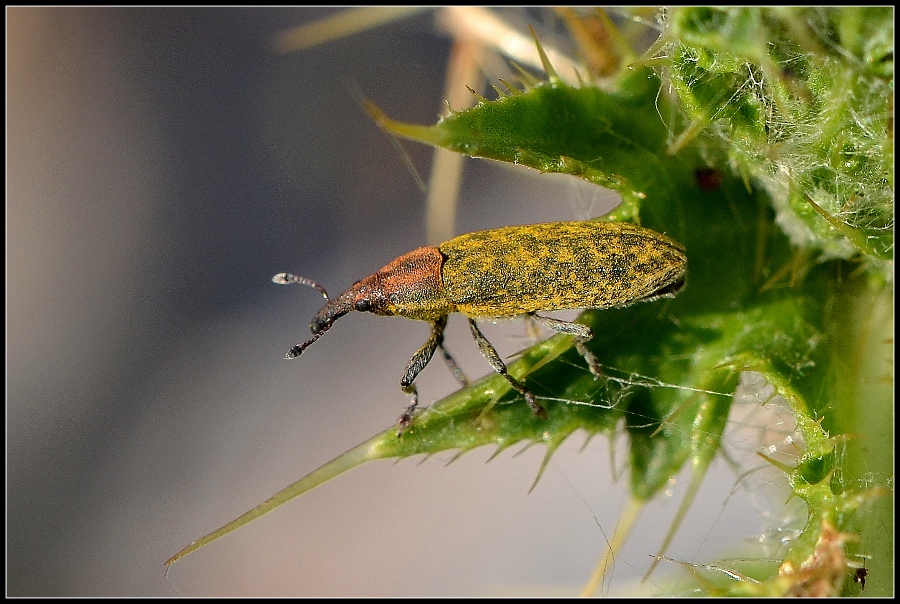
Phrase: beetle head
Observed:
(363, 296)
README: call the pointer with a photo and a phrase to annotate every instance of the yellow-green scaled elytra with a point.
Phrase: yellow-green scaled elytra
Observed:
(507, 272)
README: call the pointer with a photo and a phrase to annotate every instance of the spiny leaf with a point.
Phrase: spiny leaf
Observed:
(801, 100)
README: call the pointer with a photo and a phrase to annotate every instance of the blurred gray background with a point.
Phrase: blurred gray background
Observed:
(163, 164)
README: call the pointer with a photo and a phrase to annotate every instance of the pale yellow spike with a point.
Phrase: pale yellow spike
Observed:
(683, 509)
(619, 41)
(499, 92)
(623, 529)
(513, 91)
(482, 24)
(528, 80)
(552, 76)
(340, 25)
(579, 79)
(447, 166)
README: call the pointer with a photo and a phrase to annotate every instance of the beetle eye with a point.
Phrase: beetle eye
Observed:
(318, 325)
(362, 305)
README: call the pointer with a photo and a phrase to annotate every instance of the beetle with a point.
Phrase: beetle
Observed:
(508, 272)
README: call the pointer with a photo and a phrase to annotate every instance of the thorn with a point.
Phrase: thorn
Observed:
(477, 96)
(528, 80)
(552, 76)
(500, 93)
(550, 451)
(512, 89)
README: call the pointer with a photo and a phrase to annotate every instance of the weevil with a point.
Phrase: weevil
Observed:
(508, 272)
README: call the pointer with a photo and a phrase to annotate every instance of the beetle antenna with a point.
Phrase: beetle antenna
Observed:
(289, 279)
(297, 350)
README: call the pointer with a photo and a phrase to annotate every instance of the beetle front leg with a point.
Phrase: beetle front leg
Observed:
(417, 364)
(493, 357)
(582, 334)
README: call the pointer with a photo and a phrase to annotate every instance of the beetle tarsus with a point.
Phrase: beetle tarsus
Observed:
(536, 407)
(582, 334)
(590, 359)
(406, 418)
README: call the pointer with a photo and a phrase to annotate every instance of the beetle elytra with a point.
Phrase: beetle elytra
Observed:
(507, 272)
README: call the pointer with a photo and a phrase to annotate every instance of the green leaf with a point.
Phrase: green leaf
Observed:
(801, 100)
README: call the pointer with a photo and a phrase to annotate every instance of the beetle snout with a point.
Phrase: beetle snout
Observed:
(330, 313)
(323, 319)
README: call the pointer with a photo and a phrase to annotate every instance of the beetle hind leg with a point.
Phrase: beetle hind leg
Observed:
(582, 334)
(493, 357)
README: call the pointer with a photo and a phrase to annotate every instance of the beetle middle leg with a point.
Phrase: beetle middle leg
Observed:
(454, 367)
(582, 334)
(418, 363)
(493, 357)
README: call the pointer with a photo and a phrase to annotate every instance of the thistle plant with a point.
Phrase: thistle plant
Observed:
(761, 140)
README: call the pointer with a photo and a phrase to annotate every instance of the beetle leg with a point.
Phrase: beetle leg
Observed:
(582, 334)
(417, 364)
(493, 357)
(531, 329)
(451, 363)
